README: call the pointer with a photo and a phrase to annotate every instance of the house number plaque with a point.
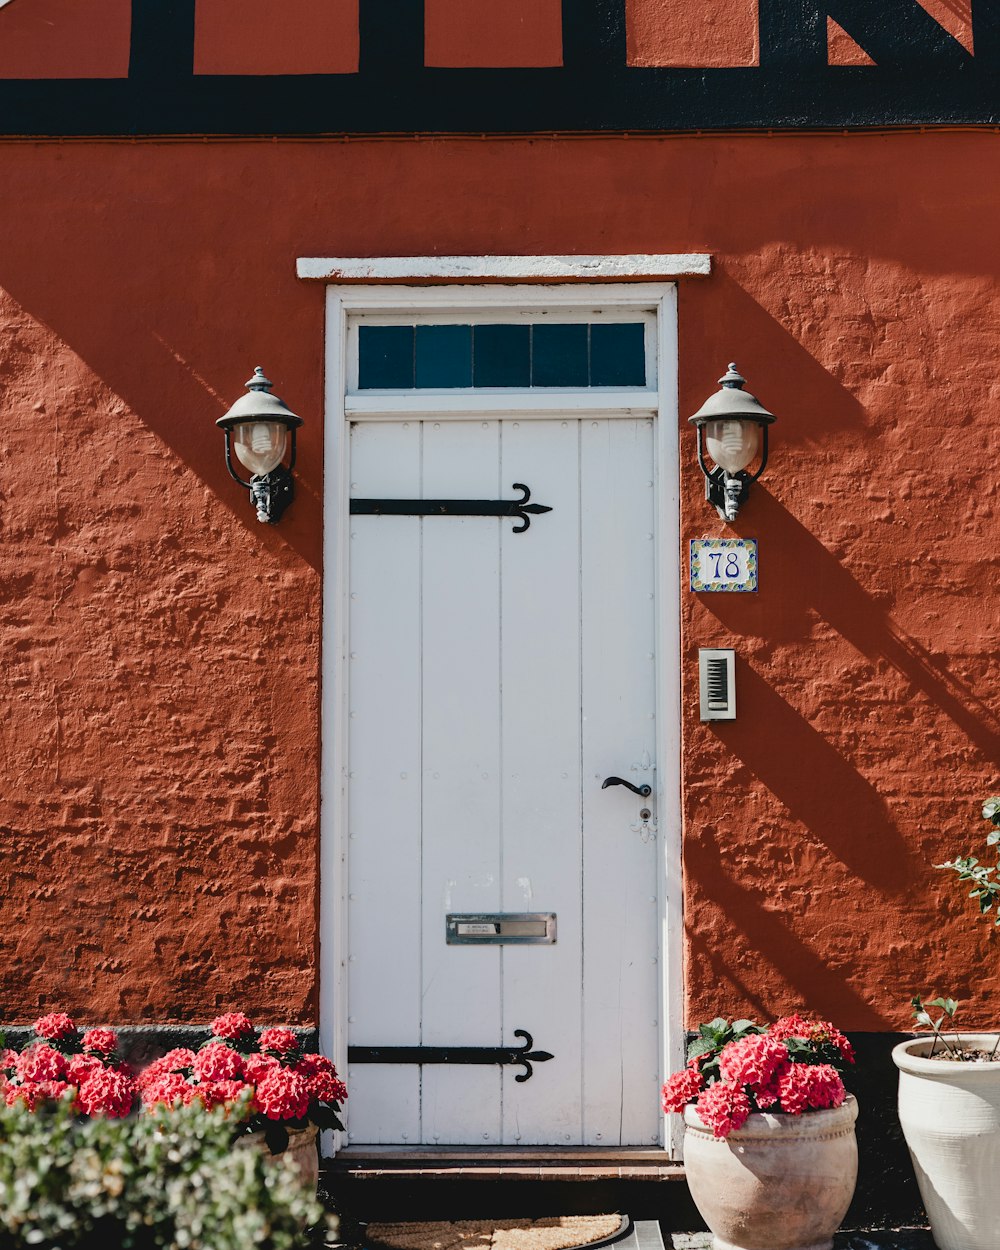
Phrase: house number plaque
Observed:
(724, 564)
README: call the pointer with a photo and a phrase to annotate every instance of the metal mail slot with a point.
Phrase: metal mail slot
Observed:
(514, 928)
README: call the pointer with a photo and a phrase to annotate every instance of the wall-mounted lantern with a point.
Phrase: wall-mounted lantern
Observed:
(729, 425)
(257, 429)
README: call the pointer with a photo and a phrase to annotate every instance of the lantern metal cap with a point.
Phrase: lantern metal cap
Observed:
(732, 403)
(259, 405)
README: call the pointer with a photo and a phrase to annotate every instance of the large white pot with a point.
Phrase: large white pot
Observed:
(781, 1182)
(950, 1113)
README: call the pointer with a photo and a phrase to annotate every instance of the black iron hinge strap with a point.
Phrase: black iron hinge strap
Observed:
(502, 1055)
(453, 507)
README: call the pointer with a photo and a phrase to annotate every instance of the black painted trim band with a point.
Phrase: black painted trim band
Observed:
(924, 77)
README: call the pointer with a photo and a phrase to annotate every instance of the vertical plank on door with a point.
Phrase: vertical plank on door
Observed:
(384, 753)
(541, 787)
(461, 772)
(621, 1032)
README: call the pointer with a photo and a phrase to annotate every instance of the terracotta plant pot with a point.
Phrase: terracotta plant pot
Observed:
(781, 1182)
(302, 1148)
(950, 1113)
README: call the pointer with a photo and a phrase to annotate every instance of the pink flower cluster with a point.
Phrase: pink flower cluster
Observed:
(279, 1081)
(760, 1072)
(816, 1032)
(58, 1063)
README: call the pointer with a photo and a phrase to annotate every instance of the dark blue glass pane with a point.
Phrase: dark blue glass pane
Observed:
(501, 356)
(618, 355)
(385, 357)
(559, 355)
(444, 355)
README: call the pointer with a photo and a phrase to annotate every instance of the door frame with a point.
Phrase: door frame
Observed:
(342, 302)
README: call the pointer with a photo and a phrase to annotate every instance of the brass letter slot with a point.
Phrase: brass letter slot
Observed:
(500, 928)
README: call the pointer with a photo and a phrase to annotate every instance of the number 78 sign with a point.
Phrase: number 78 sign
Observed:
(726, 564)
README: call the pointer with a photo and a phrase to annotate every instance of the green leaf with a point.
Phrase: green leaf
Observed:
(991, 809)
(276, 1136)
(700, 1046)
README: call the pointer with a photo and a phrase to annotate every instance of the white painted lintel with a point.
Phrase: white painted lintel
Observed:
(426, 269)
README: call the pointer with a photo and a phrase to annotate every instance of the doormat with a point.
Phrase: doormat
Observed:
(559, 1232)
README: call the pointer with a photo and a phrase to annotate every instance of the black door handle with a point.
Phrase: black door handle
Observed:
(642, 791)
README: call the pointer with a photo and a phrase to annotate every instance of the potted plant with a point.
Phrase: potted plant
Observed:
(61, 1062)
(278, 1094)
(769, 1148)
(949, 1097)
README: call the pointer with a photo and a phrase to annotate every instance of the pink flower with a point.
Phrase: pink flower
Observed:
(682, 1088)
(177, 1060)
(28, 1094)
(723, 1108)
(52, 1089)
(8, 1060)
(168, 1089)
(79, 1067)
(101, 1041)
(232, 1025)
(283, 1095)
(217, 1062)
(278, 1040)
(221, 1093)
(767, 1096)
(753, 1061)
(321, 1075)
(818, 1032)
(256, 1067)
(40, 1062)
(810, 1087)
(106, 1093)
(54, 1026)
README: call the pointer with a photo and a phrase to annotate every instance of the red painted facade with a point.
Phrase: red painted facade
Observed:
(160, 673)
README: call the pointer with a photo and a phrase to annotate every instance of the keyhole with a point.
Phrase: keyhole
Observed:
(644, 813)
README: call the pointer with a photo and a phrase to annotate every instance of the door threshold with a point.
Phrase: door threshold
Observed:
(506, 1162)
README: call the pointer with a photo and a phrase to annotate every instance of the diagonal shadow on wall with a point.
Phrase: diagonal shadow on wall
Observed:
(829, 591)
(820, 984)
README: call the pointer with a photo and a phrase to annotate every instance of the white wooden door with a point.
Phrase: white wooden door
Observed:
(495, 680)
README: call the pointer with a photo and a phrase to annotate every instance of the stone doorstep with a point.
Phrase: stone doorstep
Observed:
(362, 1163)
(896, 1239)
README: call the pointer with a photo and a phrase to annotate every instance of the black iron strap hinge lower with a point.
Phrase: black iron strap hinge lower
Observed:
(502, 1055)
(454, 507)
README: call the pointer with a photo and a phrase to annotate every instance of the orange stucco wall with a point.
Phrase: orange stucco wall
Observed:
(159, 650)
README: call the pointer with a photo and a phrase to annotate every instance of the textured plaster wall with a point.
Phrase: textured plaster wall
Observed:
(159, 650)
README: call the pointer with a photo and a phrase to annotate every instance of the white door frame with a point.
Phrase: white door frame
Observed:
(340, 409)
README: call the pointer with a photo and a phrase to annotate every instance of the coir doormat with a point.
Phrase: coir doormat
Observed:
(560, 1232)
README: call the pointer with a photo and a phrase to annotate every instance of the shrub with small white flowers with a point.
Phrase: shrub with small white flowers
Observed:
(165, 1181)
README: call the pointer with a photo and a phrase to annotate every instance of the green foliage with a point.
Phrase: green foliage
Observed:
(712, 1037)
(985, 885)
(156, 1182)
(923, 1017)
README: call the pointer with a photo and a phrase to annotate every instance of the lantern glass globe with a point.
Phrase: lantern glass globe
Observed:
(732, 444)
(260, 445)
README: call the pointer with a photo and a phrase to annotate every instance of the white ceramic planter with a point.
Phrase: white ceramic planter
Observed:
(950, 1113)
(782, 1182)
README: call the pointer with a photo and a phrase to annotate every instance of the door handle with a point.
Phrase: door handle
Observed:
(642, 791)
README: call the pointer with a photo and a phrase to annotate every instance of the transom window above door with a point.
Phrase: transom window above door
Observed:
(515, 354)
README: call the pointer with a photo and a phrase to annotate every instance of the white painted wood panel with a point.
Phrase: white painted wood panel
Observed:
(384, 812)
(621, 981)
(460, 628)
(508, 674)
(542, 840)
